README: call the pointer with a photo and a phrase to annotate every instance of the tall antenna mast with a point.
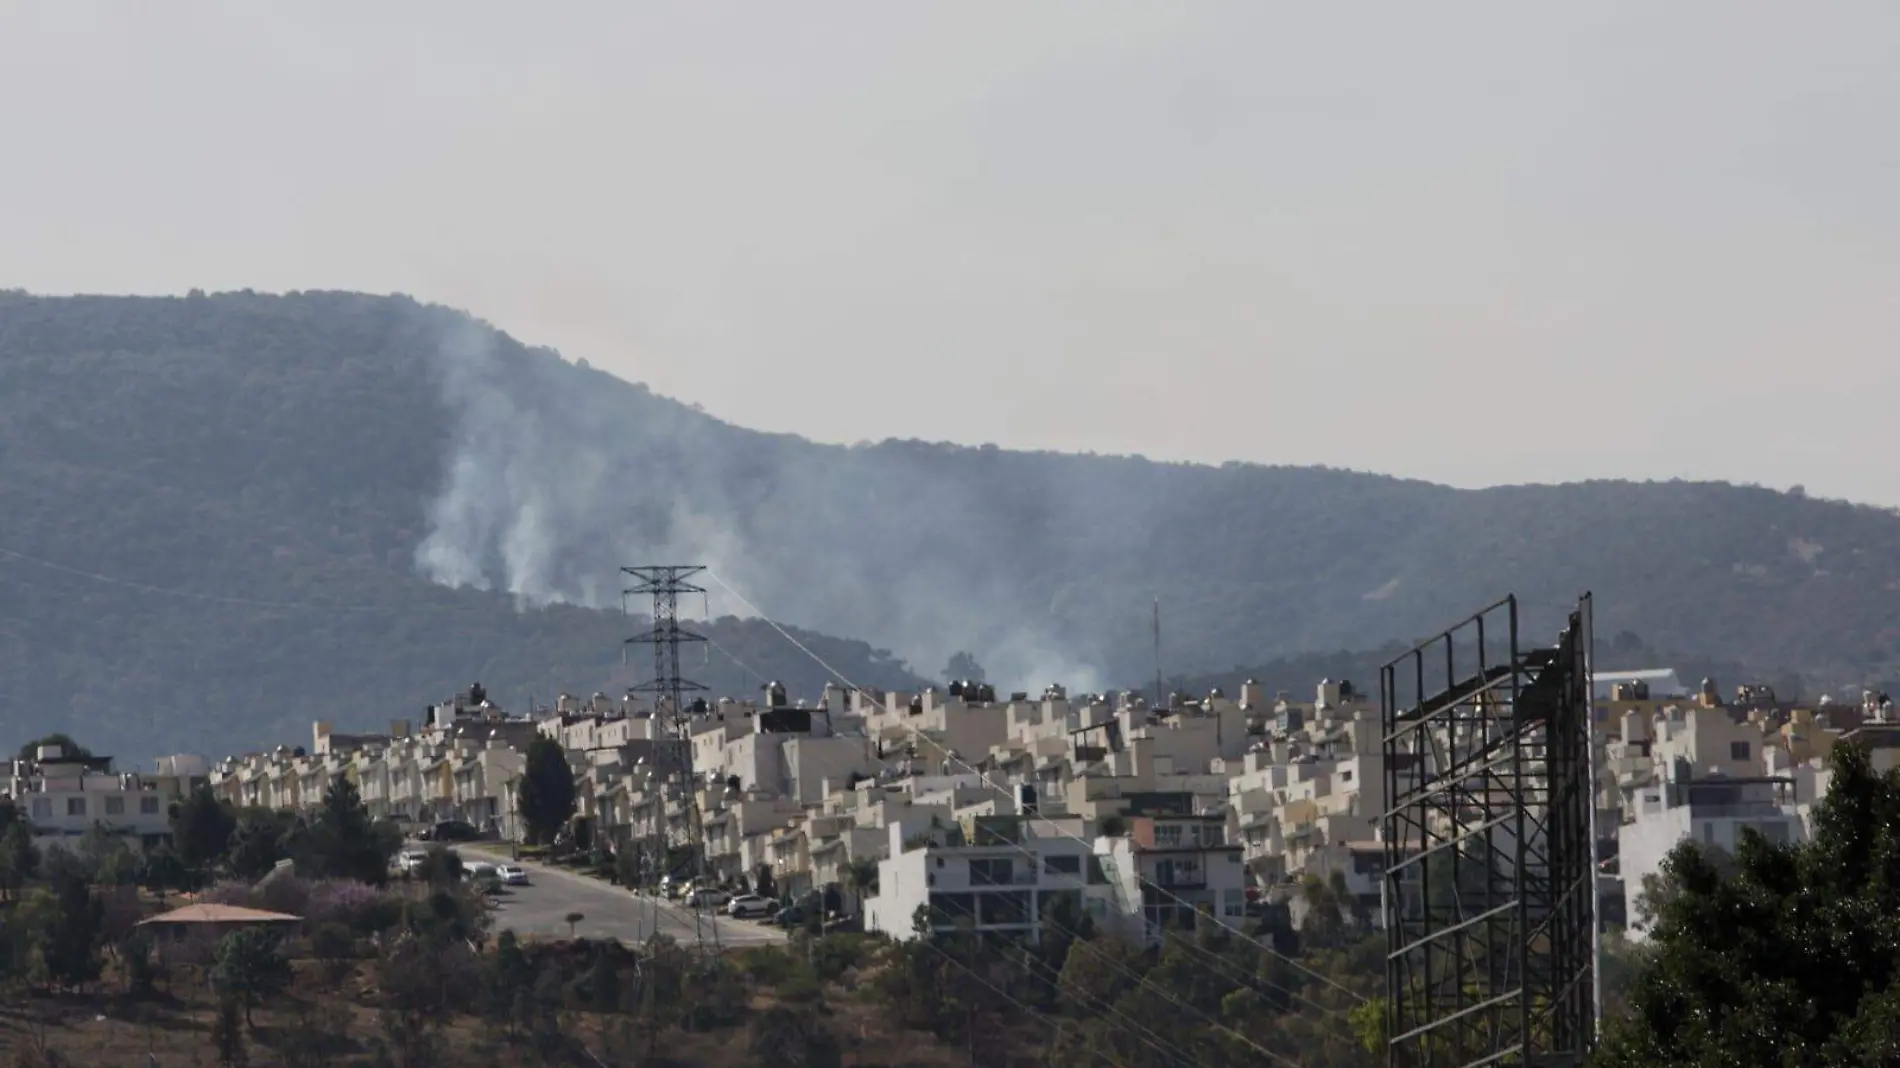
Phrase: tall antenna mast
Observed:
(664, 583)
(1160, 699)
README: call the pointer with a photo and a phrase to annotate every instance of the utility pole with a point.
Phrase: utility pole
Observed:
(1160, 698)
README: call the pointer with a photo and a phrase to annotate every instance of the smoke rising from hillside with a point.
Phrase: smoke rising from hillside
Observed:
(556, 476)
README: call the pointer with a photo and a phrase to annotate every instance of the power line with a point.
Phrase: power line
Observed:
(1166, 1049)
(168, 591)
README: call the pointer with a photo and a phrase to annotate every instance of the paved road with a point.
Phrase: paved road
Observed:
(541, 907)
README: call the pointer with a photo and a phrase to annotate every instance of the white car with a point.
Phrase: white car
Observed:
(707, 899)
(751, 905)
(481, 869)
(512, 874)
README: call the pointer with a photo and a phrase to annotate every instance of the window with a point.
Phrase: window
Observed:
(1062, 865)
(1004, 908)
(1708, 833)
(1236, 903)
(1344, 776)
(991, 873)
(1738, 750)
(42, 808)
(75, 806)
(1061, 908)
(1167, 835)
(1181, 871)
(950, 908)
(115, 806)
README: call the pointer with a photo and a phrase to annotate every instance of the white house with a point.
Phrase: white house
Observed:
(990, 878)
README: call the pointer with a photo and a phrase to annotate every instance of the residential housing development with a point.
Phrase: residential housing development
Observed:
(999, 812)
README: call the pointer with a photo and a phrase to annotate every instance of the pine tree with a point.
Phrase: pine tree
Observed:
(546, 790)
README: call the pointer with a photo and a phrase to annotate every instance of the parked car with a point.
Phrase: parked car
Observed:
(790, 917)
(452, 831)
(407, 862)
(513, 874)
(750, 906)
(707, 898)
(481, 869)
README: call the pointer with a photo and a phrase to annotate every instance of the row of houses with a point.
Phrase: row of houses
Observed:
(989, 811)
(63, 793)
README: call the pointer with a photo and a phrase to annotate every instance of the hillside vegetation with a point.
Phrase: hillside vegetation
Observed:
(285, 504)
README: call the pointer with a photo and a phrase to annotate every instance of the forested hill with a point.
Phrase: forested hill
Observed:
(246, 479)
(349, 458)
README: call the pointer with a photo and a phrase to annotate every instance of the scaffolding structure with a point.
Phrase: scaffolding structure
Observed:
(1490, 875)
(673, 765)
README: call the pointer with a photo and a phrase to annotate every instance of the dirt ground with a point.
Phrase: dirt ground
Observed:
(319, 1024)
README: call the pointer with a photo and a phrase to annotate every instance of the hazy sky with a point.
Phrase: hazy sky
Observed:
(1475, 243)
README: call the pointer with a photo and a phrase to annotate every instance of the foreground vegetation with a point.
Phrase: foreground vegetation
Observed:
(1780, 955)
(409, 971)
(1783, 954)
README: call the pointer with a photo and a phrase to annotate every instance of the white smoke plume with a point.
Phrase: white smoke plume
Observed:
(556, 476)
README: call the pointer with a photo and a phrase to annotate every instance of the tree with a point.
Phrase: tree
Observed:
(573, 920)
(69, 944)
(603, 979)
(250, 968)
(440, 866)
(19, 858)
(1791, 958)
(72, 749)
(135, 957)
(546, 791)
(227, 1034)
(112, 861)
(511, 974)
(259, 842)
(963, 668)
(860, 877)
(164, 872)
(1658, 889)
(201, 829)
(342, 842)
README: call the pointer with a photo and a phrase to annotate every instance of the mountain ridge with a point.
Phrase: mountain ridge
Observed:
(335, 447)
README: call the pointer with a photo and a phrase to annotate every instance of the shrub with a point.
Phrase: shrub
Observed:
(833, 955)
(332, 941)
(342, 901)
(767, 965)
(379, 915)
(136, 954)
(284, 893)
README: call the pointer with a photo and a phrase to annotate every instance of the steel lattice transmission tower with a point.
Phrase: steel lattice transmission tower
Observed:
(664, 583)
(1490, 847)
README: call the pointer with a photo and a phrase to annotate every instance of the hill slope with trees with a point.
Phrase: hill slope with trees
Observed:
(241, 512)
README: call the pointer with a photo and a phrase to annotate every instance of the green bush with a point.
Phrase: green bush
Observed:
(833, 955)
(378, 916)
(332, 941)
(767, 965)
